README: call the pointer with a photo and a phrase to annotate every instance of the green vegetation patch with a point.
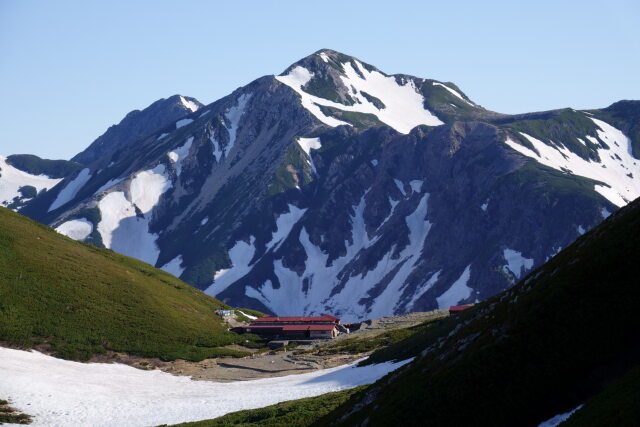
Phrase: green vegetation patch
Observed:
(294, 171)
(564, 128)
(357, 345)
(78, 300)
(324, 87)
(375, 101)
(11, 415)
(553, 341)
(294, 413)
(358, 120)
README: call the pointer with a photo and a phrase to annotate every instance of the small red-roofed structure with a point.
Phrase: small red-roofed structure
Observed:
(294, 327)
(455, 309)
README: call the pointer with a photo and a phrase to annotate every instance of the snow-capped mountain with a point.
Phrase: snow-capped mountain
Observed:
(334, 187)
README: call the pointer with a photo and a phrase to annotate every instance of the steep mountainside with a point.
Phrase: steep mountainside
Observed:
(138, 124)
(334, 187)
(77, 300)
(555, 341)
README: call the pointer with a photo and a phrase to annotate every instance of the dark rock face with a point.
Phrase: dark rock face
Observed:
(261, 200)
(35, 165)
(138, 124)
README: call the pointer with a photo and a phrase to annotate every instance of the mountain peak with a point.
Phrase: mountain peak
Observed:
(137, 124)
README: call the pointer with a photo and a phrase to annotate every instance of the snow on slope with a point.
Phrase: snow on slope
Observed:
(453, 92)
(121, 228)
(233, 117)
(189, 105)
(308, 144)
(177, 156)
(457, 292)
(183, 122)
(240, 255)
(71, 189)
(174, 266)
(108, 185)
(77, 229)
(59, 392)
(559, 419)
(11, 179)
(618, 169)
(516, 263)
(403, 110)
(323, 279)
(242, 252)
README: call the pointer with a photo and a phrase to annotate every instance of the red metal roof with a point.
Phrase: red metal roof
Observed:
(457, 308)
(293, 327)
(324, 318)
(308, 327)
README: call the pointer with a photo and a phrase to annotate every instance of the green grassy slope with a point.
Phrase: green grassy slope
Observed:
(294, 413)
(560, 337)
(618, 405)
(82, 300)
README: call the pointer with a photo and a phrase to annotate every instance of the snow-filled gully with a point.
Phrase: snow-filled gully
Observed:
(60, 392)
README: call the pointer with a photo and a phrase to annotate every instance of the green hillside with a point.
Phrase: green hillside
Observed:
(560, 337)
(80, 300)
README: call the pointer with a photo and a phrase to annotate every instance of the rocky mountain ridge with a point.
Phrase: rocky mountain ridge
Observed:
(334, 187)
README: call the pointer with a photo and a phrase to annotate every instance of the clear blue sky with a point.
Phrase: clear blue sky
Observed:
(70, 69)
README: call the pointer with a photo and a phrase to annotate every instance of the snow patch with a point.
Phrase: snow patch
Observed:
(174, 266)
(147, 187)
(323, 278)
(189, 105)
(404, 105)
(457, 292)
(66, 393)
(559, 419)
(308, 144)
(233, 117)
(581, 230)
(183, 122)
(179, 154)
(125, 230)
(250, 317)
(69, 192)
(284, 224)
(484, 206)
(605, 213)
(217, 152)
(416, 185)
(108, 185)
(516, 263)
(422, 289)
(616, 169)
(240, 255)
(400, 186)
(454, 92)
(76, 229)
(11, 179)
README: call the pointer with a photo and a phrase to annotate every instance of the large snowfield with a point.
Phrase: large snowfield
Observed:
(59, 392)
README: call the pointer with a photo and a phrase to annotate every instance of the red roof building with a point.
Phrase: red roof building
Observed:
(454, 309)
(294, 327)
